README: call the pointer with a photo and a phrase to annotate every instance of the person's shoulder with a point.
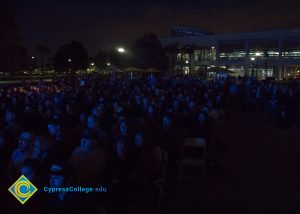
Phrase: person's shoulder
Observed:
(100, 152)
(77, 151)
(16, 152)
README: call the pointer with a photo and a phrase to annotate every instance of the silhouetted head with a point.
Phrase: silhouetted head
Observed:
(166, 121)
(88, 143)
(31, 169)
(26, 140)
(53, 127)
(92, 122)
(139, 139)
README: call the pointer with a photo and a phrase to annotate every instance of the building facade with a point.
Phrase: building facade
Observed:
(262, 54)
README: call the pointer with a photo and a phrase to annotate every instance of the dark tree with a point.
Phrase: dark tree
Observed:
(101, 59)
(119, 59)
(171, 50)
(71, 57)
(42, 51)
(113, 57)
(148, 52)
(12, 54)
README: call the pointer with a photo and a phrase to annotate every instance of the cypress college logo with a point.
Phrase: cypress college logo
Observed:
(22, 189)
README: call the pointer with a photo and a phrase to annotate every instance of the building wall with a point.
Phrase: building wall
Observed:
(275, 54)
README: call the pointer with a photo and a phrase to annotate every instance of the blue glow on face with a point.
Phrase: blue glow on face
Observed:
(27, 172)
(150, 110)
(120, 147)
(53, 129)
(166, 122)
(138, 139)
(91, 123)
(87, 145)
(37, 149)
(9, 117)
(191, 105)
(138, 100)
(123, 128)
(56, 181)
(23, 144)
(145, 101)
(201, 118)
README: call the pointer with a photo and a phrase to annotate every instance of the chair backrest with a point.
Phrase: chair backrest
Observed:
(164, 163)
(196, 145)
(194, 142)
(164, 158)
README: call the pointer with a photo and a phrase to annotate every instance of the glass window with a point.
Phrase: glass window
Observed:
(291, 54)
(205, 54)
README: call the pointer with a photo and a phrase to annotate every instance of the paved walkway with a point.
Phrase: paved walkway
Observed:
(261, 172)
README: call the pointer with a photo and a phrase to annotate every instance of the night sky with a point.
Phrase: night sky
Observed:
(103, 26)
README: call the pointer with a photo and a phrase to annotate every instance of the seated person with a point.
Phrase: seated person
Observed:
(146, 156)
(31, 169)
(67, 201)
(63, 145)
(120, 168)
(94, 129)
(41, 150)
(202, 128)
(23, 152)
(11, 124)
(169, 138)
(88, 160)
(4, 154)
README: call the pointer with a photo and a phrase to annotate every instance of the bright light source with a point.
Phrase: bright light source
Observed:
(92, 64)
(212, 47)
(186, 62)
(288, 74)
(252, 58)
(32, 57)
(298, 71)
(121, 50)
(108, 64)
(69, 60)
(257, 54)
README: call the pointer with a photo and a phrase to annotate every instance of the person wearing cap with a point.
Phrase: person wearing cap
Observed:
(60, 173)
(59, 177)
(63, 146)
(66, 202)
(94, 129)
(11, 124)
(23, 151)
(42, 150)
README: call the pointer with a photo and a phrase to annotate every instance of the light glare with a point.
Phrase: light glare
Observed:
(121, 50)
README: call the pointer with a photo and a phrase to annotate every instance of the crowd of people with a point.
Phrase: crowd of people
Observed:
(111, 132)
(278, 100)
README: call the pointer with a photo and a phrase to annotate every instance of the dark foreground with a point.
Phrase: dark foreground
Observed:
(258, 174)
